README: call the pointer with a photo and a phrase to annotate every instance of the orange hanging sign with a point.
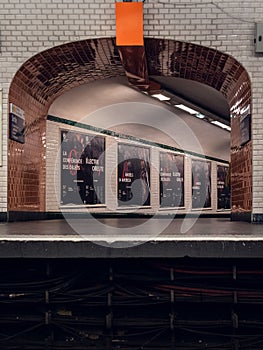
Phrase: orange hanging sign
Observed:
(129, 23)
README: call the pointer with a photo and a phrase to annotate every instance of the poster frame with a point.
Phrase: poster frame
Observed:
(203, 160)
(127, 206)
(222, 209)
(184, 189)
(82, 205)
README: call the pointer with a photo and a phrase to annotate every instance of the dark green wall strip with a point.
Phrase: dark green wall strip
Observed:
(130, 138)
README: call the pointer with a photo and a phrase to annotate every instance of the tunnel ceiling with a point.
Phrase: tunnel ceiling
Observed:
(49, 73)
(201, 96)
(169, 58)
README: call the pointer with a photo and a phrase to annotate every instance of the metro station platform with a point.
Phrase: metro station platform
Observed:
(131, 238)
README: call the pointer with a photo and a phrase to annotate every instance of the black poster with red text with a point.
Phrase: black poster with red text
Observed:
(133, 175)
(223, 187)
(82, 168)
(201, 184)
(171, 180)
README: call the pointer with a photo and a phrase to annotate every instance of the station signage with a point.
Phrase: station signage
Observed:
(245, 129)
(16, 124)
(245, 125)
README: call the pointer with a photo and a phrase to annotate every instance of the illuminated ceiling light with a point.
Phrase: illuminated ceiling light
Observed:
(161, 97)
(187, 109)
(221, 125)
(200, 116)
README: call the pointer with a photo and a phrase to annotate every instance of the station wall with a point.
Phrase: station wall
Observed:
(54, 175)
(125, 116)
(29, 27)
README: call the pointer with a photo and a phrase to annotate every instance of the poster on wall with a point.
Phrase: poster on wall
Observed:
(223, 187)
(16, 124)
(82, 168)
(201, 184)
(133, 175)
(171, 180)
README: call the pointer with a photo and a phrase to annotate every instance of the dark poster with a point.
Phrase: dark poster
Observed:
(223, 187)
(82, 168)
(133, 175)
(201, 184)
(171, 180)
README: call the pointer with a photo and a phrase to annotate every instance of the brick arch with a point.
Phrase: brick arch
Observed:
(45, 76)
(199, 63)
(224, 73)
(38, 82)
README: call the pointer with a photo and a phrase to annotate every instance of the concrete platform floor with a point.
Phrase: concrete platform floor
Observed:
(131, 237)
(99, 229)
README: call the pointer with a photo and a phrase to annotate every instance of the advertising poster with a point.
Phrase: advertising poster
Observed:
(201, 184)
(171, 180)
(133, 175)
(82, 168)
(223, 187)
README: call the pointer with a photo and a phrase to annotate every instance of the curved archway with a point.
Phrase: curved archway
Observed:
(224, 73)
(48, 74)
(35, 86)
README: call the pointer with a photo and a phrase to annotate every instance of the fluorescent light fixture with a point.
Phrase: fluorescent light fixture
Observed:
(200, 116)
(187, 109)
(161, 97)
(221, 125)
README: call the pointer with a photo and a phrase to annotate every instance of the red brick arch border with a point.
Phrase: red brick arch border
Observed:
(45, 76)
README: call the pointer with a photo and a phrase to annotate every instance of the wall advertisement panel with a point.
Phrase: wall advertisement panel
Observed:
(133, 175)
(171, 180)
(201, 184)
(223, 187)
(82, 168)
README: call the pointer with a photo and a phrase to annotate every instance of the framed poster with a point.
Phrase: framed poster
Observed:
(82, 168)
(133, 175)
(171, 180)
(201, 184)
(223, 187)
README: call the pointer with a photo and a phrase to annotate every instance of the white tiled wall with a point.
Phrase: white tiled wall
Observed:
(31, 26)
(53, 176)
